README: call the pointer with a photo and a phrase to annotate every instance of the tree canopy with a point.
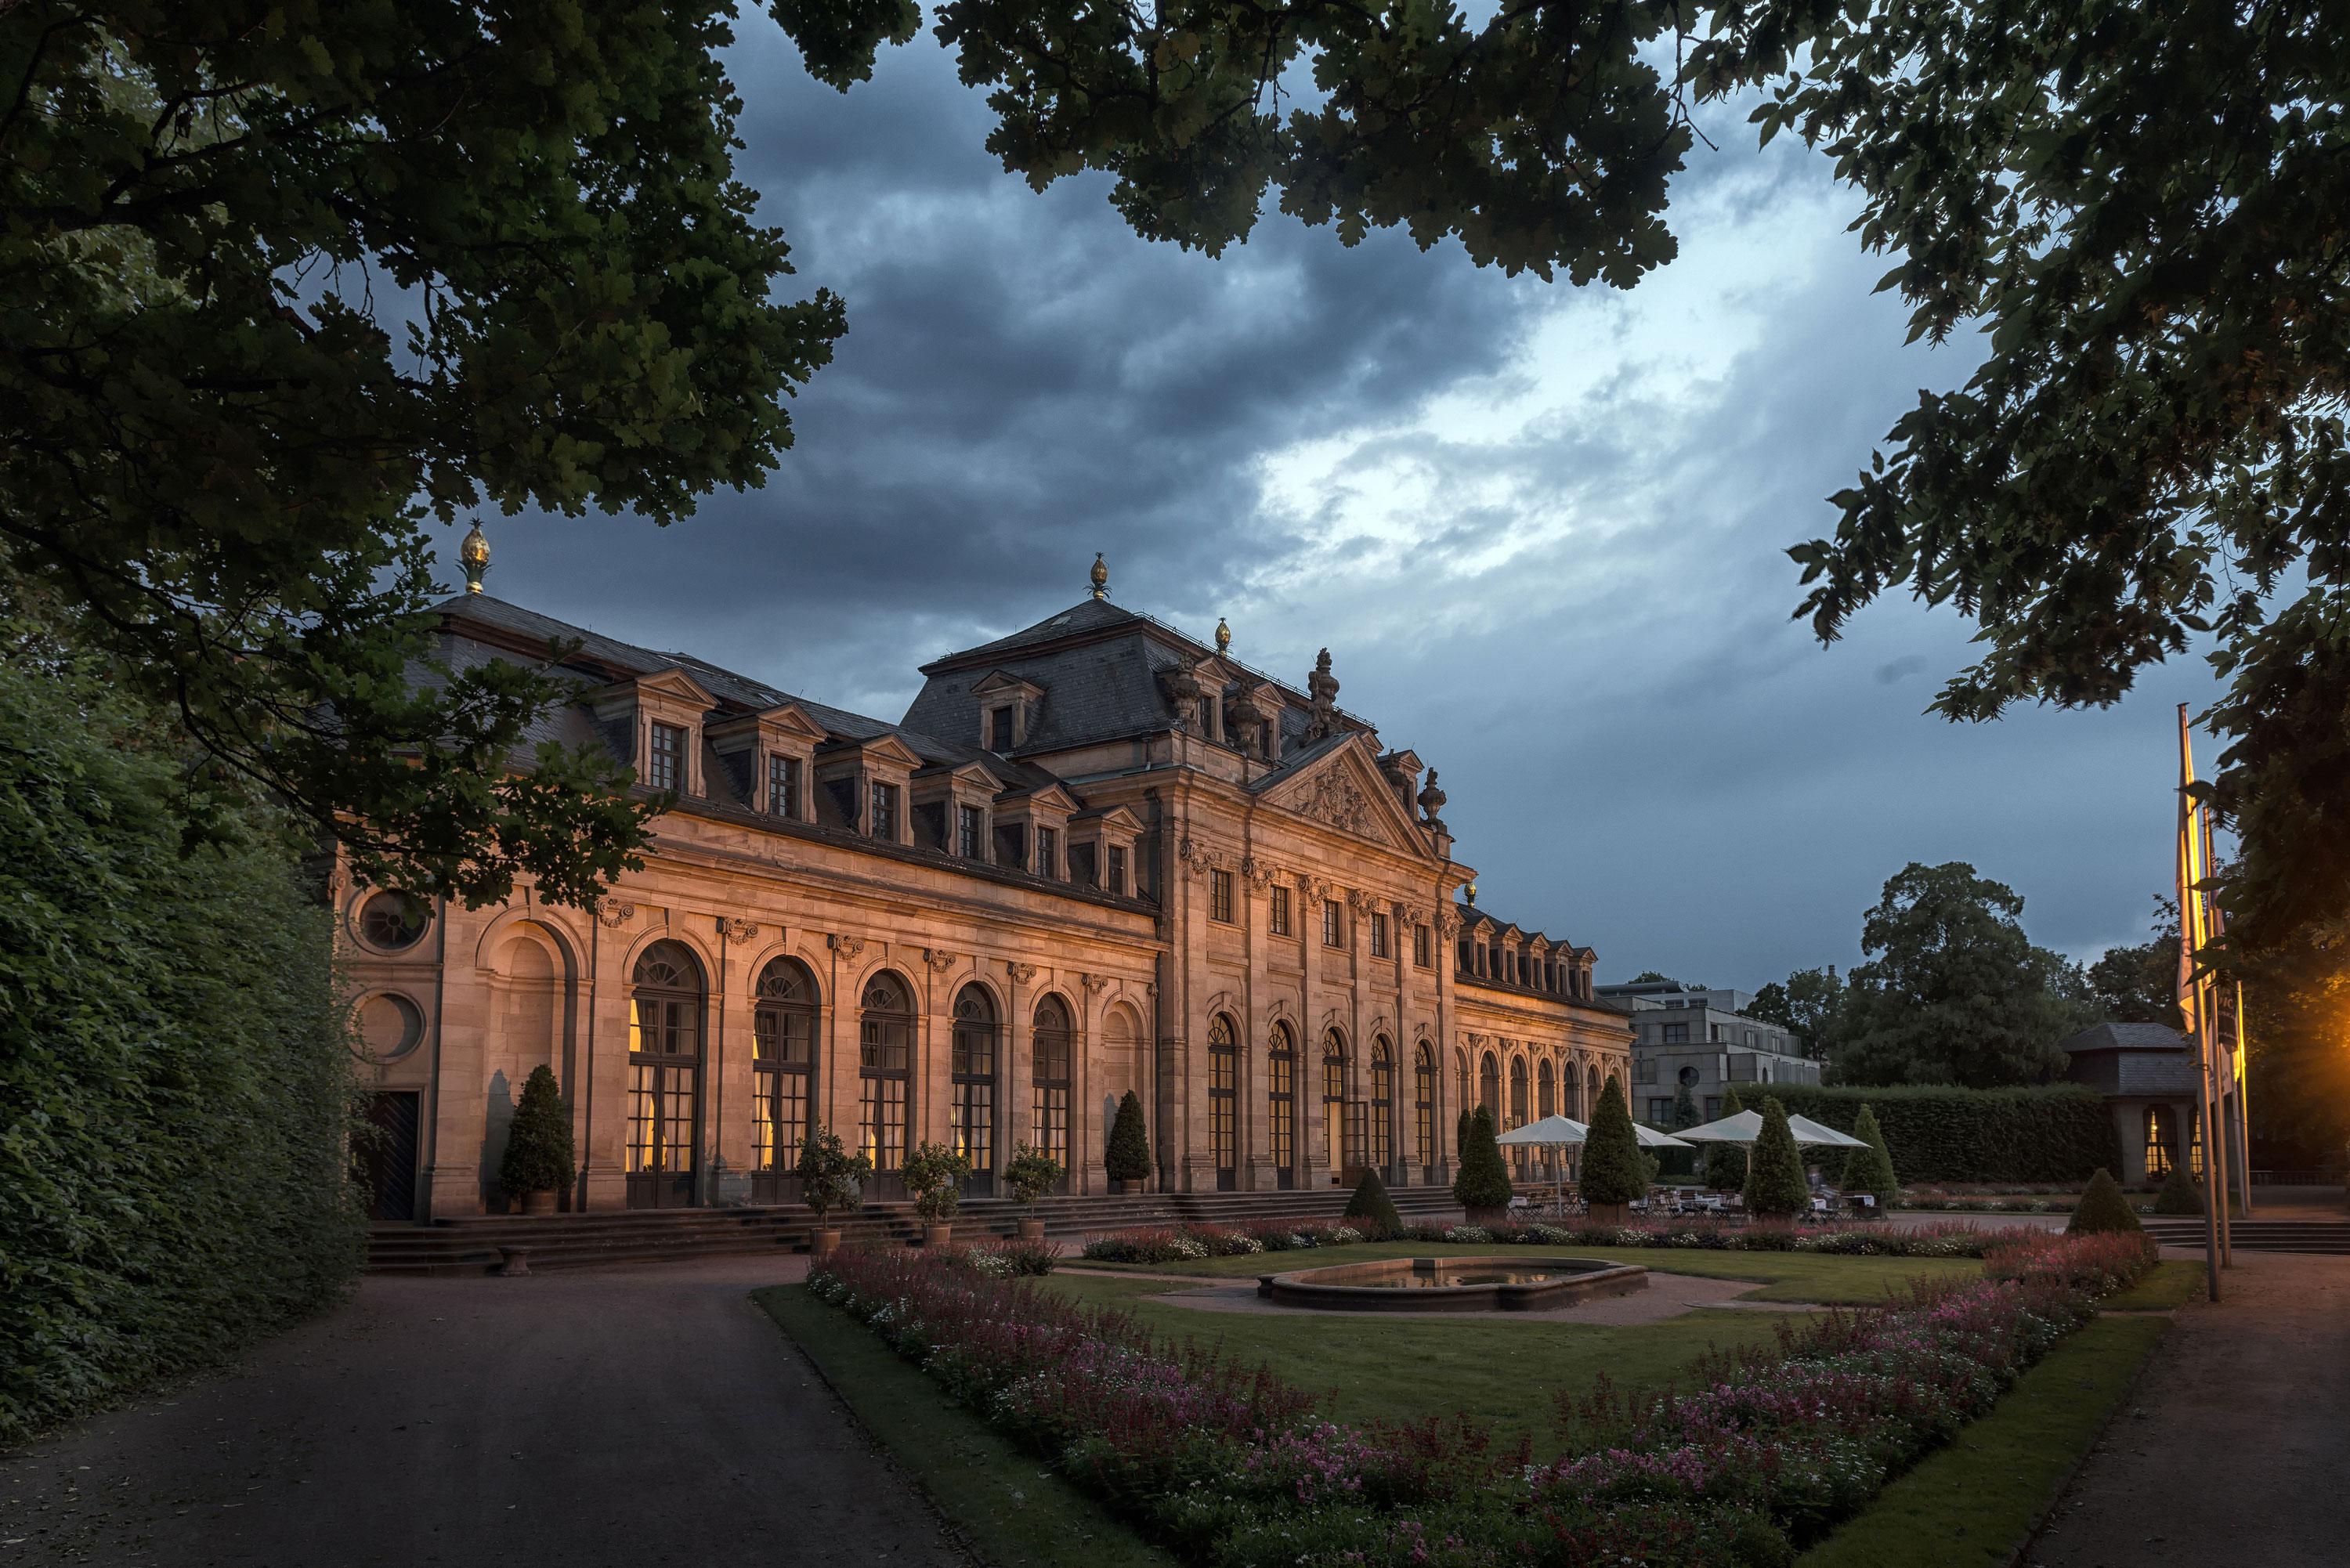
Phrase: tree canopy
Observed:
(1953, 991)
(1810, 1002)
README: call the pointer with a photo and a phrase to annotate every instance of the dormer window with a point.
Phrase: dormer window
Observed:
(1114, 879)
(999, 729)
(783, 786)
(971, 833)
(1048, 853)
(665, 757)
(882, 817)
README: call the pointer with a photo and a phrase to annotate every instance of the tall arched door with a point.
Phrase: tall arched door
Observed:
(665, 1013)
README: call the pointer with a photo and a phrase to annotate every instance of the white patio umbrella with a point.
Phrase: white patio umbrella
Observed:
(1553, 1132)
(1747, 1126)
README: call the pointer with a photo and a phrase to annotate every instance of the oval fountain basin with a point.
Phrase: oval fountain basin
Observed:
(1453, 1285)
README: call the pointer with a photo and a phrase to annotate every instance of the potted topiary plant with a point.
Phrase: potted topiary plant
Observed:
(830, 1178)
(933, 1174)
(1031, 1174)
(537, 1161)
(1127, 1159)
(1373, 1208)
(1615, 1174)
(1483, 1188)
(1774, 1176)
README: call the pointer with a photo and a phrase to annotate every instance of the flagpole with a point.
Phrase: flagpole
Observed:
(2223, 1052)
(2190, 1005)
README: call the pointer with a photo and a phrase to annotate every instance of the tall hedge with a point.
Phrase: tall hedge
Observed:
(2059, 1132)
(175, 1082)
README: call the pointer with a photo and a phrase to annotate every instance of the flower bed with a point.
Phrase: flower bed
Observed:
(1190, 1242)
(1233, 1466)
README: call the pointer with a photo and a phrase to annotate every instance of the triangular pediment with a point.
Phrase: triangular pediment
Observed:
(793, 720)
(676, 683)
(1343, 789)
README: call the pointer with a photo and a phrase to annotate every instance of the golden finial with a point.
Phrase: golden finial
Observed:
(473, 555)
(1470, 893)
(1100, 577)
(1223, 636)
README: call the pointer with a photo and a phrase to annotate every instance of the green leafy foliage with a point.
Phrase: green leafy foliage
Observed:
(1127, 1158)
(933, 1173)
(1032, 1173)
(2179, 1193)
(2102, 1208)
(2135, 213)
(175, 1058)
(830, 1176)
(1953, 991)
(1613, 1168)
(1484, 1181)
(1809, 1003)
(1870, 1169)
(2054, 1133)
(281, 286)
(1684, 1107)
(1372, 1204)
(1774, 1176)
(1725, 1163)
(2138, 983)
(538, 1141)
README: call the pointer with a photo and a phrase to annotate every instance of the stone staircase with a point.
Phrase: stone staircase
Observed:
(475, 1244)
(2256, 1235)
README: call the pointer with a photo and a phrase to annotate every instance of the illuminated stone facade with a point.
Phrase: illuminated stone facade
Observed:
(1095, 857)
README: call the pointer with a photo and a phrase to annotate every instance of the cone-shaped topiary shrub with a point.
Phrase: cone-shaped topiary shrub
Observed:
(538, 1141)
(1129, 1156)
(2179, 1194)
(2102, 1208)
(1613, 1170)
(1461, 1131)
(1485, 1180)
(1870, 1169)
(1774, 1177)
(1725, 1163)
(1371, 1205)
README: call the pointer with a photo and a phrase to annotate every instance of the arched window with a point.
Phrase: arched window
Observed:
(1049, 1077)
(1334, 1098)
(1545, 1091)
(2161, 1141)
(664, 1075)
(1223, 1093)
(1423, 1103)
(1382, 1149)
(1517, 1091)
(971, 1104)
(885, 1047)
(783, 1065)
(1488, 1085)
(1281, 1102)
(1461, 1082)
(1570, 1085)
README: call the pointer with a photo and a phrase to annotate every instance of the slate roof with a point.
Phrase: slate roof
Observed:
(1471, 918)
(2132, 1061)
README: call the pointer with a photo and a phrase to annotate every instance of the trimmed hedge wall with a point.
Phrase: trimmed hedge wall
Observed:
(2059, 1132)
(175, 1079)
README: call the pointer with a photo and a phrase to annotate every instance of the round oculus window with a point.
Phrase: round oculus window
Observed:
(389, 1026)
(1689, 1077)
(392, 921)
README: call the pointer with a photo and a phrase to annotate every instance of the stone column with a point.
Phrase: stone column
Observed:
(729, 1132)
(606, 1104)
(838, 1084)
(1016, 1115)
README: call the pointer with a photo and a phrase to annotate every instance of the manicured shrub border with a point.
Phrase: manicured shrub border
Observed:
(1190, 1242)
(1232, 1467)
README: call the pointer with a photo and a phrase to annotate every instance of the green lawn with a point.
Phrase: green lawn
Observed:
(1784, 1276)
(1015, 1511)
(1971, 1505)
(2171, 1285)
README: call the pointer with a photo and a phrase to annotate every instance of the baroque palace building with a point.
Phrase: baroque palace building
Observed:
(1096, 856)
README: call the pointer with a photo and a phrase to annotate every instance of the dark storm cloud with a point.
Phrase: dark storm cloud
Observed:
(1543, 530)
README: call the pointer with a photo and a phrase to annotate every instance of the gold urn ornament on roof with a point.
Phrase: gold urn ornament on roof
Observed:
(1223, 636)
(473, 555)
(1101, 577)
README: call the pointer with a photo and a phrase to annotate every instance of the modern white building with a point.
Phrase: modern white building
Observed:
(1701, 1039)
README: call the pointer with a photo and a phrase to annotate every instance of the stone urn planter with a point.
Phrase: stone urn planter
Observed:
(539, 1202)
(1488, 1216)
(822, 1243)
(938, 1235)
(1611, 1214)
(1032, 1230)
(1128, 1188)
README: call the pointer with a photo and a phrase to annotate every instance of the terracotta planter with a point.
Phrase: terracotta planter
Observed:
(538, 1202)
(938, 1235)
(821, 1243)
(1611, 1214)
(1127, 1188)
(1488, 1216)
(1032, 1230)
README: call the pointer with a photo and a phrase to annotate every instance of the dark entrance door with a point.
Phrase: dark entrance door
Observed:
(387, 1158)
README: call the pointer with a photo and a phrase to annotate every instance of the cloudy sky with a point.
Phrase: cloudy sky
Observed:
(1540, 528)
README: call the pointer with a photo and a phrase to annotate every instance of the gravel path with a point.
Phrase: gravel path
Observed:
(2235, 1447)
(638, 1416)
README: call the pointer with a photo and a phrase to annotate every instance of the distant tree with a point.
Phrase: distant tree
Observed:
(1484, 1181)
(1870, 1169)
(1953, 991)
(1775, 1178)
(2102, 1208)
(1809, 1003)
(1613, 1170)
(2139, 984)
(1725, 1163)
(1652, 977)
(1684, 1107)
